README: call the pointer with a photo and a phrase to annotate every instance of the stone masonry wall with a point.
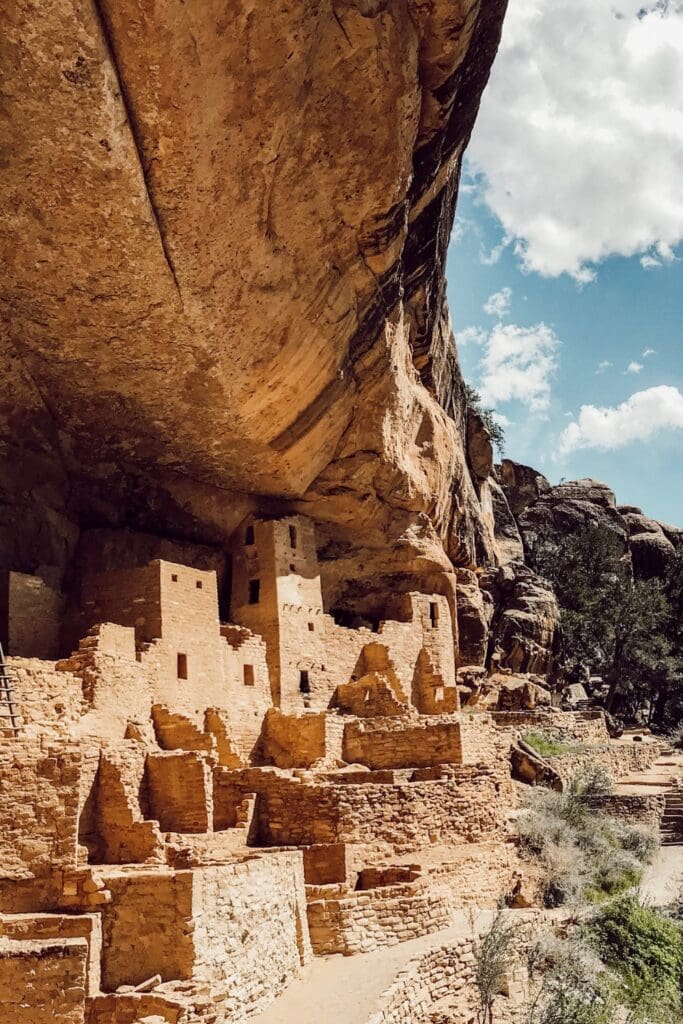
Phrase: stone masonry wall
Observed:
(39, 808)
(568, 726)
(250, 930)
(180, 791)
(366, 920)
(633, 808)
(30, 614)
(468, 806)
(445, 971)
(238, 931)
(618, 759)
(47, 700)
(396, 743)
(43, 982)
(32, 927)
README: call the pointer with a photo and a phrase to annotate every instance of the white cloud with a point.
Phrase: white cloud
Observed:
(639, 418)
(603, 365)
(498, 304)
(471, 336)
(662, 255)
(648, 352)
(490, 258)
(518, 363)
(581, 121)
(633, 367)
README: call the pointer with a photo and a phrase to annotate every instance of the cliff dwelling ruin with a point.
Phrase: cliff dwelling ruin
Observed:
(270, 639)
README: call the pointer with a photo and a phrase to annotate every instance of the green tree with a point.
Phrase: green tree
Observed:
(619, 627)
(488, 417)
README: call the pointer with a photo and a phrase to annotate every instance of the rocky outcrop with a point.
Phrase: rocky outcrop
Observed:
(545, 515)
(229, 291)
(508, 539)
(651, 549)
(474, 613)
(566, 509)
(524, 634)
(522, 484)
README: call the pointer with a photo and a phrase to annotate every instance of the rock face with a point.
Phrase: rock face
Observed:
(524, 632)
(229, 291)
(545, 515)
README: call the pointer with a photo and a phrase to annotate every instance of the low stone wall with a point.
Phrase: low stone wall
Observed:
(43, 982)
(31, 927)
(478, 875)
(618, 759)
(367, 919)
(565, 726)
(133, 1007)
(645, 809)
(233, 934)
(468, 805)
(397, 743)
(445, 971)
(39, 808)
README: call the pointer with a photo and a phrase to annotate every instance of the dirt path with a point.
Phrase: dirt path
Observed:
(348, 988)
(665, 876)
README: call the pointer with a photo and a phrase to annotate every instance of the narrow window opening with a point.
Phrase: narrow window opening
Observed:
(292, 567)
(304, 681)
(199, 584)
(434, 614)
(249, 535)
(311, 627)
(174, 577)
(254, 591)
(249, 675)
(292, 536)
(182, 666)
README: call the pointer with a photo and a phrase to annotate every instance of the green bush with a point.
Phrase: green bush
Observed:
(546, 746)
(585, 855)
(675, 737)
(644, 949)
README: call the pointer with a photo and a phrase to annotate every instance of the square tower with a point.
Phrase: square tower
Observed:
(172, 607)
(276, 592)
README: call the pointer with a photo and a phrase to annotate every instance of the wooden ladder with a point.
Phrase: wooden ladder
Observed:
(8, 712)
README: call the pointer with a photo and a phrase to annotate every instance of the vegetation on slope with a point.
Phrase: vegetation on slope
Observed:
(626, 630)
(546, 746)
(582, 855)
(488, 417)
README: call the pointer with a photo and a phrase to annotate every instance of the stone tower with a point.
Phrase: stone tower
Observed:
(276, 592)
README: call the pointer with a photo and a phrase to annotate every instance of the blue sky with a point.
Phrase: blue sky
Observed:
(565, 276)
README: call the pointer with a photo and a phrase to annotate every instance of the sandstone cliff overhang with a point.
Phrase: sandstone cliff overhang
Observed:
(221, 229)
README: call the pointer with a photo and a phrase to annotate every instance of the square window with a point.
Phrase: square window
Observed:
(174, 577)
(182, 666)
(198, 584)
